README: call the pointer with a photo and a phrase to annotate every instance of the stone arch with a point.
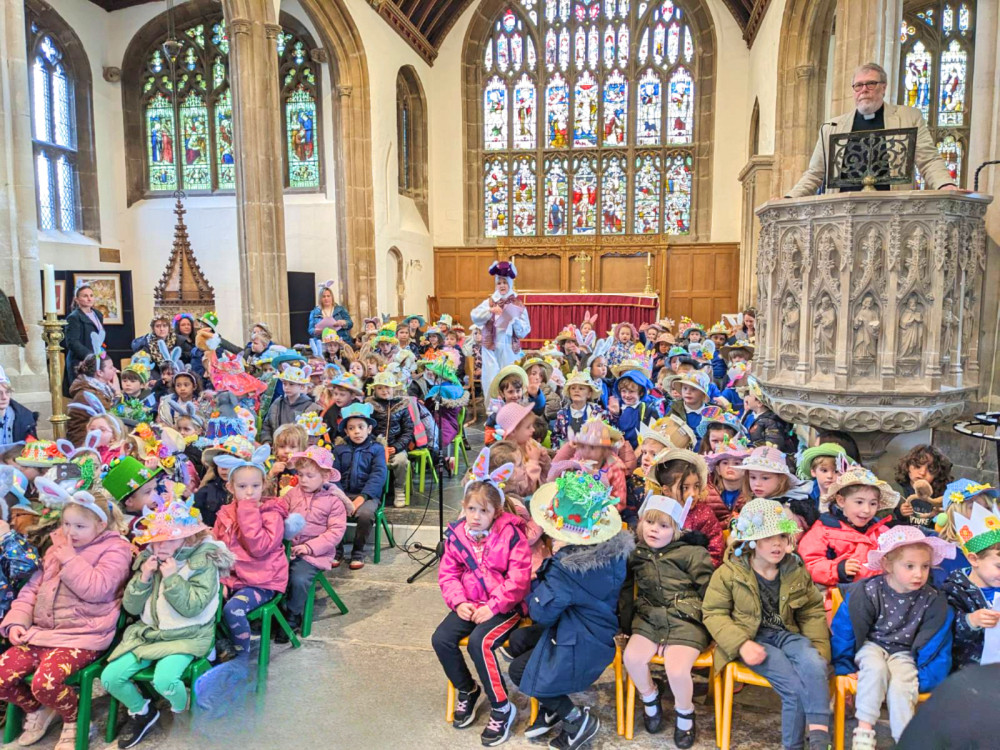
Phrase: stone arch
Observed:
(699, 17)
(74, 57)
(802, 71)
(411, 138)
(395, 283)
(754, 139)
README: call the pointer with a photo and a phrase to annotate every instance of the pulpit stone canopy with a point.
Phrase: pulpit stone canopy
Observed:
(869, 308)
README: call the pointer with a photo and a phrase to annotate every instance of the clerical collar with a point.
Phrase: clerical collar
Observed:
(873, 115)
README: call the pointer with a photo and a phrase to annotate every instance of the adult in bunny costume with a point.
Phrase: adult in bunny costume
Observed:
(502, 329)
(328, 314)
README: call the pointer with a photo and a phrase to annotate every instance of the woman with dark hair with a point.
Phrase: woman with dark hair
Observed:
(184, 336)
(97, 375)
(83, 320)
(328, 314)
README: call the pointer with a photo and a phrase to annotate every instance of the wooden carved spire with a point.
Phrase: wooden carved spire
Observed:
(183, 286)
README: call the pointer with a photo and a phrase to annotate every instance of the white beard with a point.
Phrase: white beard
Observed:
(869, 108)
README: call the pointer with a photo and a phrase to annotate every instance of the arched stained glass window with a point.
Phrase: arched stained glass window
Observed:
(602, 94)
(938, 47)
(187, 127)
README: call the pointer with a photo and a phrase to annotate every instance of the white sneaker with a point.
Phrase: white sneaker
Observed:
(36, 724)
(863, 739)
(399, 501)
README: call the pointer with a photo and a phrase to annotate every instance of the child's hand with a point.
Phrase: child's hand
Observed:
(276, 468)
(906, 507)
(151, 461)
(852, 567)
(357, 503)
(147, 569)
(752, 653)
(63, 550)
(482, 614)
(300, 549)
(981, 618)
(168, 567)
(16, 634)
(613, 405)
(465, 610)
(390, 452)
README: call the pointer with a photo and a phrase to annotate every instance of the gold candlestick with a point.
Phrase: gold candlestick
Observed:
(582, 259)
(53, 334)
(649, 277)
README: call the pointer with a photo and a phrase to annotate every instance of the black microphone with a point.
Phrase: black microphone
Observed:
(822, 140)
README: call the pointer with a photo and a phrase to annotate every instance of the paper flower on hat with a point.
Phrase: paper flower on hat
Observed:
(313, 424)
(979, 530)
(737, 372)
(169, 519)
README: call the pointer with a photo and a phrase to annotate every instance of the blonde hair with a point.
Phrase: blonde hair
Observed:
(821, 460)
(116, 519)
(946, 530)
(784, 484)
(290, 435)
(117, 428)
(655, 515)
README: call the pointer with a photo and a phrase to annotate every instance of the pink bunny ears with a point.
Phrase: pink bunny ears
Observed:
(481, 473)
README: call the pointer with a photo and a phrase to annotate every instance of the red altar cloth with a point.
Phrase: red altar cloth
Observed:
(550, 313)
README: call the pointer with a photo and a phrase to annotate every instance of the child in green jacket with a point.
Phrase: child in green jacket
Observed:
(175, 592)
(762, 608)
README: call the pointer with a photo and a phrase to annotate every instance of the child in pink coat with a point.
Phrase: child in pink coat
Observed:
(322, 506)
(484, 575)
(66, 615)
(253, 528)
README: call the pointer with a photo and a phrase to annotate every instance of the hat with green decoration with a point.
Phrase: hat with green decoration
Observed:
(979, 530)
(210, 319)
(386, 335)
(125, 475)
(823, 450)
(576, 509)
(139, 366)
(444, 368)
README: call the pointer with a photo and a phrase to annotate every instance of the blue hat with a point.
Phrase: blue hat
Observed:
(964, 489)
(288, 357)
(356, 411)
(636, 376)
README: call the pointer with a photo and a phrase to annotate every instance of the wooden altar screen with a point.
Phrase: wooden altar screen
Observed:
(697, 280)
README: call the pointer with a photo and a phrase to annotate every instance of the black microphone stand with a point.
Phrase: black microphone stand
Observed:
(438, 549)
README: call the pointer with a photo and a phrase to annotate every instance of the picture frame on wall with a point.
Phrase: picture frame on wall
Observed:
(60, 297)
(107, 289)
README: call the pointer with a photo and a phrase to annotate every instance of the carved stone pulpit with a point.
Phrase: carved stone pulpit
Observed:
(869, 308)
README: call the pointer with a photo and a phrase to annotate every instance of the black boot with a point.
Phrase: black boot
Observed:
(653, 722)
(684, 738)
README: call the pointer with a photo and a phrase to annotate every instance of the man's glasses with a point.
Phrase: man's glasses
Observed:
(870, 85)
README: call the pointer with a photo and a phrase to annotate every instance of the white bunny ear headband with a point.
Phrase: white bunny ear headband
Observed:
(97, 344)
(667, 505)
(232, 463)
(90, 445)
(54, 496)
(328, 284)
(173, 356)
(93, 407)
(481, 473)
(601, 349)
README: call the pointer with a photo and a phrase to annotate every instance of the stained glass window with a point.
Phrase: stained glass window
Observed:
(938, 47)
(53, 115)
(187, 127)
(602, 120)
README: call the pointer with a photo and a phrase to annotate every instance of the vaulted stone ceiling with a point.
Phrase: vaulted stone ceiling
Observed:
(425, 23)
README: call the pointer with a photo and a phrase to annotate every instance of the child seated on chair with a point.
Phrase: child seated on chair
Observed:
(175, 594)
(449, 398)
(322, 505)
(346, 391)
(484, 574)
(508, 387)
(66, 615)
(360, 461)
(681, 473)
(580, 405)
(253, 528)
(572, 603)
(894, 630)
(669, 570)
(288, 439)
(762, 608)
(516, 424)
(727, 493)
(394, 426)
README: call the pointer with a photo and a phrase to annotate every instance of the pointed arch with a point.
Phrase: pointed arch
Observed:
(411, 138)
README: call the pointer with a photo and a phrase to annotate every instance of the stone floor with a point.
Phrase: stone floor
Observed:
(369, 680)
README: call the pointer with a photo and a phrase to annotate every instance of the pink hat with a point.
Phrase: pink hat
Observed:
(766, 458)
(321, 457)
(901, 536)
(735, 449)
(509, 417)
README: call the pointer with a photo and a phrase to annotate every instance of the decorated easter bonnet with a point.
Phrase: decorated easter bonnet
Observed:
(965, 489)
(419, 318)
(762, 518)
(350, 383)
(979, 530)
(740, 345)
(732, 448)
(682, 454)
(696, 379)
(503, 269)
(677, 351)
(223, 422)
(139, 366)
(859, 475)
(638, 360)
(444, 368)
(297, 375)
(434, 330)
(901, 536)
(830, 450)
(210, 319)
(617, 328)
(666, 337)
(666, 505)
(40, 454)
(385, 377)
(719, 328)
(321, 457)
(494, 389)
(670, 430)
(315, 427)
(509, 417)
(716, 415)
(356, 411)
(576, 509)
(235, 445)
(596, 432)
(535, 358)
(766, 458)
(566, 334)
(169, 520)
(737, 372)
(583, 378)
(386, 335)
(125, 475)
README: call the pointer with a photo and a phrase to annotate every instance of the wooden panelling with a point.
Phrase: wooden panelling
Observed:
(699, 281)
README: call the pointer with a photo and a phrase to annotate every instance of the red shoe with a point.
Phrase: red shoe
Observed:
(357, 564)
(337, 561)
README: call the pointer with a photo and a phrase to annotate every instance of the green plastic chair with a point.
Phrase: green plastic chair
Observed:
(458, 443)
(307, 613)
(267, 613)
(84, 680)
(423, 455)
(381, 524)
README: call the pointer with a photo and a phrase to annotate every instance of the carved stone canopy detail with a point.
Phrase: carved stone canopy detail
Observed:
(183, 286)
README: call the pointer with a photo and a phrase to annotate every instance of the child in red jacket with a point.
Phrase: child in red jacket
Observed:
(484, 574)
(322, 506)
(835, 550)
(253, 528)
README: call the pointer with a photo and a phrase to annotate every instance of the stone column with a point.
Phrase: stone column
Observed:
(19, 267)
(867, 31)
(756, 179)
(253, 70)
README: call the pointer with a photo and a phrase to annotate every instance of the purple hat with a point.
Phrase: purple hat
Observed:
(503, 268)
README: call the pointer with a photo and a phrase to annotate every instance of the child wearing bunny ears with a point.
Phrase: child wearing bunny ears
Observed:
(660, 606)
(253, 528)
(66, 615)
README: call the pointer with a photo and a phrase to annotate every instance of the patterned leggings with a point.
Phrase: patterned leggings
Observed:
(48, 687)
(235, 611)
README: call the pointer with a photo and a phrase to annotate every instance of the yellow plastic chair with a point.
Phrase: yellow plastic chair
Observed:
(704, 660)
(844, 684)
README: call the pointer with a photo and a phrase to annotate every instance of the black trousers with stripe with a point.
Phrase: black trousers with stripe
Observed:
(484, 639)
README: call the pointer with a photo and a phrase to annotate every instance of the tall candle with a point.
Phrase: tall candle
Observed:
(49, 286)
(649, 259)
